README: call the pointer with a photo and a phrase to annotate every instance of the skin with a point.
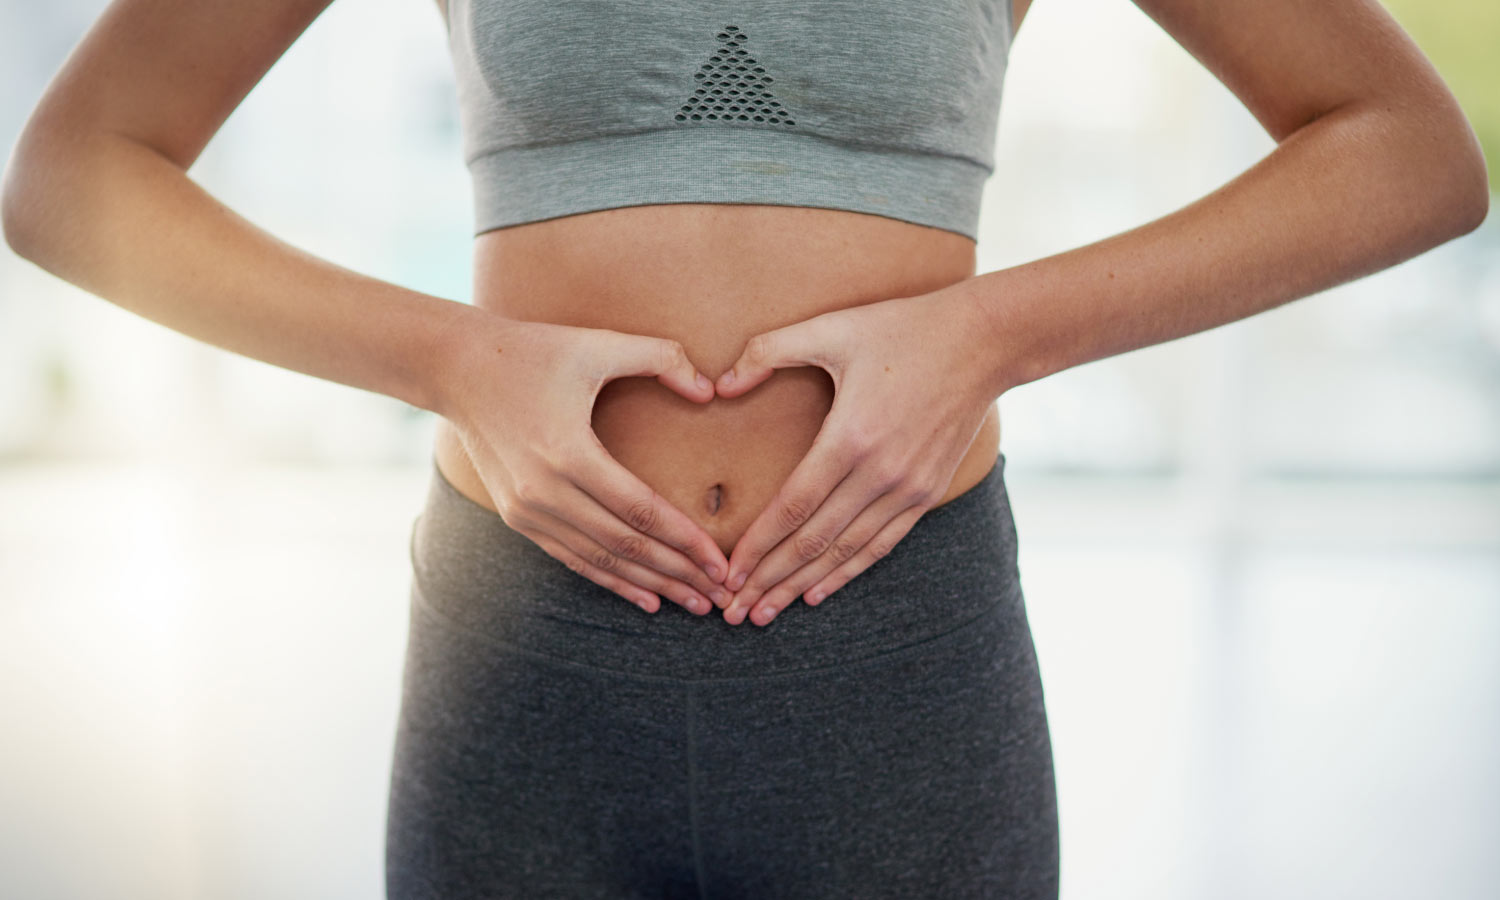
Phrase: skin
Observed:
(1375, 163)
(866, 360)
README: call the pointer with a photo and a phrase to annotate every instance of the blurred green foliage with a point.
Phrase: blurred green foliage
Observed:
(1462, 38)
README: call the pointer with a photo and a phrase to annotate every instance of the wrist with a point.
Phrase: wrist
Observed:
(987, 338)
(464, 330)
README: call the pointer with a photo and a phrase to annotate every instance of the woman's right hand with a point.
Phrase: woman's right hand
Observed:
(521, 396)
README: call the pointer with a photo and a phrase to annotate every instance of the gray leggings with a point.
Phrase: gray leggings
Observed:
(556, 741)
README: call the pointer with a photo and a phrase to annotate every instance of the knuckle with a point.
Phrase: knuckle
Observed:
(551, 450)
(577, 564)
(630, 546)
(928, 496)
(518, 520)
(517, 515)
(910, 491)
(604, 560)
(507, 510)
(569, 458)
(860, 442)
(758, 347)
(792, 513)
(891, 476)
(643, 515)
(842, 550)
(880, 547)
(810, 546)
(672, 354)
(526, 492)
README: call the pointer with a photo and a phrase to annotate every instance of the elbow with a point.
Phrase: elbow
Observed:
(15, 223)
(22, 205)
(33, 188)
(1467, 189)
(1466, 181)
(1447, 195)
(1476, 207)
(1433, 163)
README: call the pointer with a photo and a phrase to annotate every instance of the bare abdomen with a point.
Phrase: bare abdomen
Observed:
(711, 276)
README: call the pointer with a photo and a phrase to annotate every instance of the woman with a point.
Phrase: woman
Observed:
(728, 348)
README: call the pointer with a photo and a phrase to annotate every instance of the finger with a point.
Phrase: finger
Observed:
(601, 559)
(635, 594)
(667, 360)
(843, 549)
(880, 545)
(605, 529)
(819, 536)
(806, 343)
(816, 476)
(635, 503)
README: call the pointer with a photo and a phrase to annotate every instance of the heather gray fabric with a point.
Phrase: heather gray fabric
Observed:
(889, 108)
(555, 741)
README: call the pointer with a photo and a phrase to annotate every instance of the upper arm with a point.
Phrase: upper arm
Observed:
(1291, 61)
(167, 73)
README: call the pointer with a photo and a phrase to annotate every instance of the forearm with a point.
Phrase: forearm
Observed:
(120, 220)
(1352, 192)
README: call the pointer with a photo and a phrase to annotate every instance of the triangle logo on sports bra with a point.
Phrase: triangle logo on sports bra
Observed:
(733, 87)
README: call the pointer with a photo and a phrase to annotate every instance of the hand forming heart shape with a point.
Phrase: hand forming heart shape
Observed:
(911, 389)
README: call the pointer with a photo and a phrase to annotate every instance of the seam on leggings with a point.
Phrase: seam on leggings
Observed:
(466, 631)
(692, 757)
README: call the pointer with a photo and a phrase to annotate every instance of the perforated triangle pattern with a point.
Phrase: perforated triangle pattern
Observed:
(733, 87)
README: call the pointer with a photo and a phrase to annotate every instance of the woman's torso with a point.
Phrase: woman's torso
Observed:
(711, 276)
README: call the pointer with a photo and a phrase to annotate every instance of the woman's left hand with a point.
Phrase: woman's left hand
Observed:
(911, 388)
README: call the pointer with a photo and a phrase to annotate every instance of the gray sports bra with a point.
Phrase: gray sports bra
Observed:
(887, 107)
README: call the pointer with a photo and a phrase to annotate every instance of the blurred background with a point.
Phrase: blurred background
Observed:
(1262, 562)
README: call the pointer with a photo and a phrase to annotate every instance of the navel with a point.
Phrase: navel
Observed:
(714, 499)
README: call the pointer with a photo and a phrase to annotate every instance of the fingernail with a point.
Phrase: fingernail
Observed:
(737, 582)
(727, 378)
(703, 382)
(769, 615)
(720, 599)
(714, 572)
(815, 597)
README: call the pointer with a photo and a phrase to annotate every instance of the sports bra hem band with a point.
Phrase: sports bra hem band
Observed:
(724, 164)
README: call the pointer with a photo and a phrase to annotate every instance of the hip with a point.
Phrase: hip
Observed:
(554, 740)
(721, 464)
(473, 574)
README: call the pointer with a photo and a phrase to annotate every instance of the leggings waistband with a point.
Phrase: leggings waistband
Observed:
(472, 570)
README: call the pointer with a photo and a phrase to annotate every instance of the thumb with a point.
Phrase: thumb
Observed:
(667, 360)
(800, 344)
